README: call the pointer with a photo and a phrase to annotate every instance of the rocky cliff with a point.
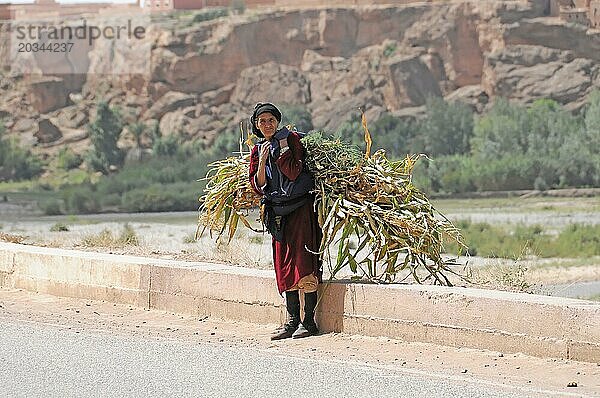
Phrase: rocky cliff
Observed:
(205, 77)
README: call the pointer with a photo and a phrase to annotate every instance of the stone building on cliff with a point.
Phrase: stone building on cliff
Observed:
(585, 12)
(168, 5)
(51, 8)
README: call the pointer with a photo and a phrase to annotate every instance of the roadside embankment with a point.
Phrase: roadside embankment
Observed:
(494, 320)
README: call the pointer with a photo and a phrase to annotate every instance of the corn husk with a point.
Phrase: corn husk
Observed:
(228, 193)
(384, 228)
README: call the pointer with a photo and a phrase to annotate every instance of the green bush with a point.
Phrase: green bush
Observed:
(500, 131)
(352, 131)
(493, 241)
(67, 159)
(52, 208)
(238, 6)
(506, 173)
(576, 241)
(166, 145)
(542, 146)
(521, 240)
(210, 14)
(111, 201)
(81, 200)
(17, 163)
(448, 174)
(393, 134)
(59, 227)
(137, 131)
(104, 133)
(163, 183)
(447, 129)
(171, 197)
(390, 49)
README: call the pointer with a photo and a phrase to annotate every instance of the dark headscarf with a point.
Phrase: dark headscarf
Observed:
(259, 109)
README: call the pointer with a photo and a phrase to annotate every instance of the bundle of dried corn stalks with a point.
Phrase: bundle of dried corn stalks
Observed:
(227, 194)
(385, 228)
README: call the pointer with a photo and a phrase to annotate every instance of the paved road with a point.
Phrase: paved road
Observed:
(38, 360)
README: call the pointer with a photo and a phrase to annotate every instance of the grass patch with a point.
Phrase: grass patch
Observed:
(576, 241)
(105, 238)
(595, 297)
(566, 263)
(517, 205)
(488, 240)
(190, 238)
(13, 186)
(511, 277)
(515, 242)
(10, 238)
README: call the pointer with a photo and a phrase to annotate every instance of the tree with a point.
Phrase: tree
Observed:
(297, 116)
(238, 6)
(352, 131)
(16, 163)
(393, 134)
(447, 129)
(137, 130)
(592, 120)
(501, 131)
(166, 146)
(104, 133)
(579, 156)
(550, 137)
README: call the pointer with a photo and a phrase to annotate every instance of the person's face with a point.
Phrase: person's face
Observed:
(267, 124)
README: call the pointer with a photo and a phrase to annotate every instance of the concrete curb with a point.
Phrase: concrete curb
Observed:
(508, 322)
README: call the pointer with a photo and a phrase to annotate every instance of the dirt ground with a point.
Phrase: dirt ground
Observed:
(528, 375)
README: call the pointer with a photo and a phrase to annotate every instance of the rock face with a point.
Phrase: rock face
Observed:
(47, 132)
(71, 117)
(529, 72)
(412, 82)
(205, 78)
(168, 103)
(339, 86)
(49, 94)
(271, 81)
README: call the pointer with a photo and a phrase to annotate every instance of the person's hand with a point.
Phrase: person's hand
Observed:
(265, 151)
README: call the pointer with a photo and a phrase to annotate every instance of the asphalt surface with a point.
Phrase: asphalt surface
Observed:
(41, 360)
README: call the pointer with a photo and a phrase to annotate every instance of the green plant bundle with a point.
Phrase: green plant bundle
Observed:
(389, 229)
(227, 194)
(385, 228)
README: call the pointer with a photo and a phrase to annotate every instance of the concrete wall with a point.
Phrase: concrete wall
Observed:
(594, 14)
(508, 322)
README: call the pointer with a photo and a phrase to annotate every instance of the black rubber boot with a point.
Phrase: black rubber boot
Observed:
(292, 303)
(308, 327)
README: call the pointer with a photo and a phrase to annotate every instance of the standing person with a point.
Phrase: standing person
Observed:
(278, 173)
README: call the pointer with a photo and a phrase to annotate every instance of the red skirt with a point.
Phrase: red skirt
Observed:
(294, 258)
